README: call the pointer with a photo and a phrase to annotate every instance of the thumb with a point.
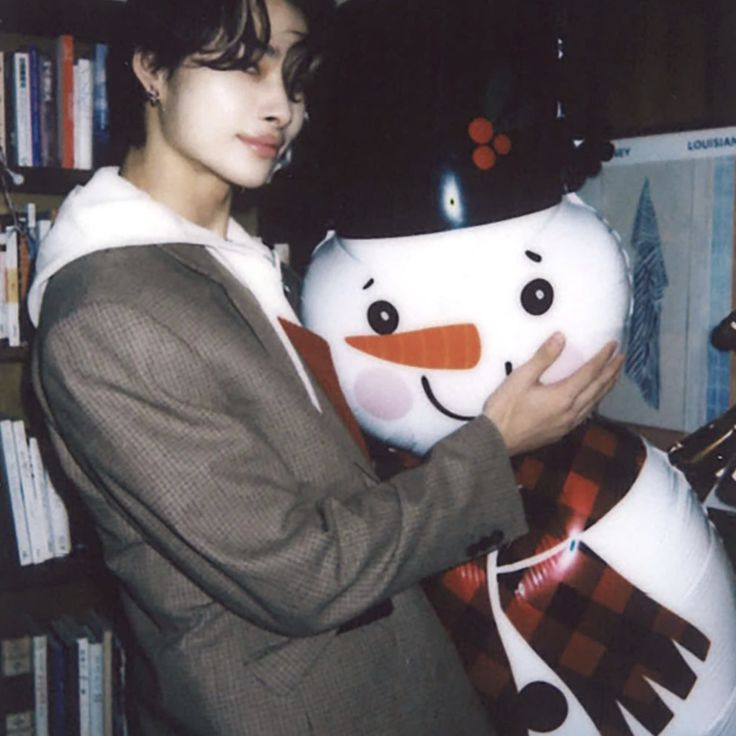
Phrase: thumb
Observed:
(546, 354)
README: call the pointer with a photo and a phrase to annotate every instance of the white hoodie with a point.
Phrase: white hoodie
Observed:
(109, 212)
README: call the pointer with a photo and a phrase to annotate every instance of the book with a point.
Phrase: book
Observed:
(100, 106)
(65, 99)
(16, 677)
(39, 648)
(12, 307)
(120, 723)
(83, 113)
(59, 519)
(56, 676)
(11, 138)
(75, 639)
(25, 274)
(32, 502)
(47, 111)
(11, 481)
(3, 105)
(22, 118)
(8, 540)
(38, 472)
(35, 95)
(101, 673)
(3, 316)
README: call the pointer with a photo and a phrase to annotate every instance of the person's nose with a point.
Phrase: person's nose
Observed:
(276, 106)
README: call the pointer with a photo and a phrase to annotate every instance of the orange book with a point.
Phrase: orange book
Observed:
(65, 99)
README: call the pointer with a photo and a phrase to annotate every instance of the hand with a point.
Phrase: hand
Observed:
(530, 414)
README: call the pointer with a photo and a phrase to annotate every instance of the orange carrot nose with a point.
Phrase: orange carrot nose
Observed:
(450, 346)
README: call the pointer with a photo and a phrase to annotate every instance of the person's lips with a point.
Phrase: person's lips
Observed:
(265, 146)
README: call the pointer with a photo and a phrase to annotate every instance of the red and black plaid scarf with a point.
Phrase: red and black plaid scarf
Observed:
(603, 637)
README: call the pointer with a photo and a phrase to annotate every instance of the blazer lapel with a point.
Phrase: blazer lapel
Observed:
(197, 258)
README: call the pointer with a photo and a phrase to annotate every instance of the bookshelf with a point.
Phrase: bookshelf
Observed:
(87, 20)
(71, 584)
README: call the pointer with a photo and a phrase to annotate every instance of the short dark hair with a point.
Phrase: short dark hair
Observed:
(232, 34)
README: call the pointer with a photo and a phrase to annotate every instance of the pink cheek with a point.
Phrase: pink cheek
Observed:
(569, 361)
(383, 394)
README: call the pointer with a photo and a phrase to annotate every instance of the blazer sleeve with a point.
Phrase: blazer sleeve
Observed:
(145, 417)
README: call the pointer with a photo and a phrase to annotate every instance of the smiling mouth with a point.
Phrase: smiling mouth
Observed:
(436, 404)
(263, 147)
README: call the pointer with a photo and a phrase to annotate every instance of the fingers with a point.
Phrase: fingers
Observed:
(589, 397)
(546, 354)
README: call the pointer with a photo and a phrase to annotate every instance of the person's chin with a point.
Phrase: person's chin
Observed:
(250, 177)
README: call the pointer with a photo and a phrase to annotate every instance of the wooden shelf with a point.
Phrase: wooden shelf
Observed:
(14, 578)
(86, 20)
(13, 355)
(58, 181)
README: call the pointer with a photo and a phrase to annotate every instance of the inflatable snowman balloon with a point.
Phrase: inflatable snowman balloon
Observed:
(615, 614)
(456, 252)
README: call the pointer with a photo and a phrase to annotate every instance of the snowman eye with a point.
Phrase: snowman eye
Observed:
(537, 297)
(383, 317)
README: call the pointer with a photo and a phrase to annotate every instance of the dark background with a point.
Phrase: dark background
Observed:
(650, 66)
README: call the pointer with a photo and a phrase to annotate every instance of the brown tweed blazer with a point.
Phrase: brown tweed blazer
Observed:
(246, 529)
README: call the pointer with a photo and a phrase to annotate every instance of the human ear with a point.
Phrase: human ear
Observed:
(147, 74)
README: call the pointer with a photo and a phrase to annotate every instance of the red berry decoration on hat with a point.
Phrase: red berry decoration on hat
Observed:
(481, 132)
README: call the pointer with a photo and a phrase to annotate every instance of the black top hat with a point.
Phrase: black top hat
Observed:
(436, 114)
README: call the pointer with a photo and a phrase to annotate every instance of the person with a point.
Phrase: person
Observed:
(269, 579)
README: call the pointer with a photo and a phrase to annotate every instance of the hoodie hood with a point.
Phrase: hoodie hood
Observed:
(110, 212)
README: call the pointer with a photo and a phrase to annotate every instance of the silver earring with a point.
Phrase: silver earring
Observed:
(153, 97)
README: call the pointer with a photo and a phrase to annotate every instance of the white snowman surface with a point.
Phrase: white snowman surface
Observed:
(423, 328)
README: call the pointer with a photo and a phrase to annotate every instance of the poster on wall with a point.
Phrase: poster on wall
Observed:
(671, 199)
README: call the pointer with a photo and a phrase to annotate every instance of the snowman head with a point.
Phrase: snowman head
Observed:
(423, 328)
(446, 165)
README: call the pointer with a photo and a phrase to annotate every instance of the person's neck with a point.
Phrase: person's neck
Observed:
(199, 196)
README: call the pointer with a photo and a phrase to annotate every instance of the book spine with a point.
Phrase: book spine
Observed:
(24, 281)
(59, 520)
(108, 681)
(96, 689)
(100, 105)
(31, 502)
(22, 96)
(12, 482)
(10, 126)
(101, 671)
(40, 685)
(120, 723)
(83, 108)
(3, 310)
(3, 105)
(65, 99)
(46, 83)
(38, 472)
(16, 684)
(57, 695)
(12, 313)
(35, 94)
(83, 685)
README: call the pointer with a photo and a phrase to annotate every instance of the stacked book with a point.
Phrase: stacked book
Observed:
(65, 677)
(20, 235)
(53, 105)
(34, 523)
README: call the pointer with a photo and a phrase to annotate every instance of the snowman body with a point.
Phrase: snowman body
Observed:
(421, 330)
